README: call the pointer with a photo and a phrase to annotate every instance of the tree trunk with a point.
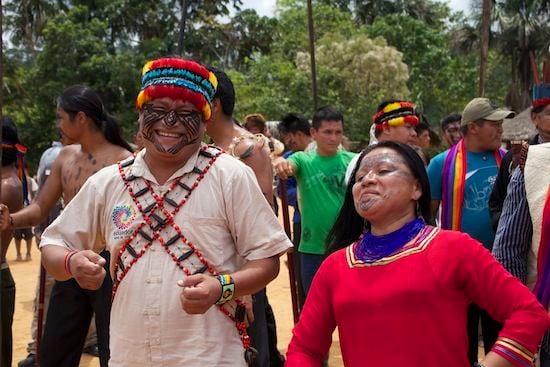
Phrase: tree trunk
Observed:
(312, 55)
(183, 20)
(485, 29)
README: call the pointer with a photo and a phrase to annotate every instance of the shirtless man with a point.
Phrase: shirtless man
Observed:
(82, 118)
(253, 150)
(12, 198)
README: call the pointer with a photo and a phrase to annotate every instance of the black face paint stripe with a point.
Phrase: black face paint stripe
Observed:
(191, 121)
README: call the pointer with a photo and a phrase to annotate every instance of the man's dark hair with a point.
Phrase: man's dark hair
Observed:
(349, 224)
(326, 113)
(453, 117)
(293, 123)
(225, 91)
(81, 98)
(538, 109)
(9, 139)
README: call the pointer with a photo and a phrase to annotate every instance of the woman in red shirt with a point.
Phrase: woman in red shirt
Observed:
(398, 288)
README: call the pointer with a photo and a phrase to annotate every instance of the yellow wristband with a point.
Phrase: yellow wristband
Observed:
(228, 288)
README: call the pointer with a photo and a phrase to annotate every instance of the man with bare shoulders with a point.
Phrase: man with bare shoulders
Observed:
(253, 150)
(43, 172)
(82, 118)
(12, 198)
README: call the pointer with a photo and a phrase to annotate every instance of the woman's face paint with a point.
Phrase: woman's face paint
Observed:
(171, 128)
(383, 184)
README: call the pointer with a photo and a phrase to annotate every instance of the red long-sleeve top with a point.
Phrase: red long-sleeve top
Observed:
(409, 309)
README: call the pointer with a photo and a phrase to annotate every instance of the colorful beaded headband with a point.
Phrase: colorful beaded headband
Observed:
(395, 114)
(541, 95)
(178, 79)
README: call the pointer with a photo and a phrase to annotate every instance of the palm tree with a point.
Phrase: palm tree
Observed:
(485, 29)
(27, 19)
(518, 28)
(523, 29)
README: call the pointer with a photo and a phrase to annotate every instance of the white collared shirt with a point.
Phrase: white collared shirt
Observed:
(227, 218)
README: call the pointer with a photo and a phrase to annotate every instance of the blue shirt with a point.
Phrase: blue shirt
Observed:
(291, 191)
(481, 174)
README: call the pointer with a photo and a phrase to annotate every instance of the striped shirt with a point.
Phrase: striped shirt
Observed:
(515, 229)
(515, 233)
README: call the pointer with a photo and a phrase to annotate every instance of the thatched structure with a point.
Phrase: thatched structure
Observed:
(519, 128)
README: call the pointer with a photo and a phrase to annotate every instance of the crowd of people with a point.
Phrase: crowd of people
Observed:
(160, 252)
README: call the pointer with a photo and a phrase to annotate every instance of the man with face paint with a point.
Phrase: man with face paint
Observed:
(450, 127)
(176, 219)
(82, 119)
(43, 172)
(461, 180)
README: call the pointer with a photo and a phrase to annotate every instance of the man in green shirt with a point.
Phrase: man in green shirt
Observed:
(321, 187)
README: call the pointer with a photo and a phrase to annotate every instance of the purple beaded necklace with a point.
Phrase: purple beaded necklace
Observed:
(372, 248)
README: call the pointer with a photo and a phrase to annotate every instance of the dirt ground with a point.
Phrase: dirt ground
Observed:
(26, 275)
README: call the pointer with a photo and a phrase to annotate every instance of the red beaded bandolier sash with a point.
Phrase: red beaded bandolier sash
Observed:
(158, 214)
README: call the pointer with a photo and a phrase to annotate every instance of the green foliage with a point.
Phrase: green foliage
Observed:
(293, 26)
(231, 44)
(439, 82)
(75, 52)
(519, 27)
(273, 87)
(367, 51)
(356, 75)
(433, 13)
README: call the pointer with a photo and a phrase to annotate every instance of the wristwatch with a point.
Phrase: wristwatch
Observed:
(479, 364)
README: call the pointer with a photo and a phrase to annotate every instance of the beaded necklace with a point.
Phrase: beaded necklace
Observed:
(373, 248)
(159, 216)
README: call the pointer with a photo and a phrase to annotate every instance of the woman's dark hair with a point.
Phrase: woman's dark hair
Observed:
(80, 98)
(9, 139)
(349, 224)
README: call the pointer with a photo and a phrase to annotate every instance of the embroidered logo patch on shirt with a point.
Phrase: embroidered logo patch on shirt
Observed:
(123, 215)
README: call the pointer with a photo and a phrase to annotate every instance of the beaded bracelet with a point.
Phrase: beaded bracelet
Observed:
(228, 288)
(67, 262)
(12, 222)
